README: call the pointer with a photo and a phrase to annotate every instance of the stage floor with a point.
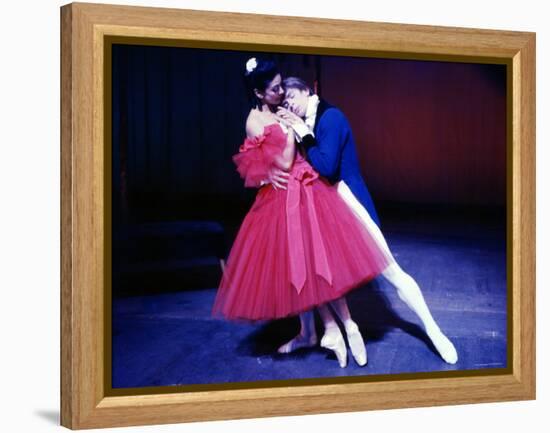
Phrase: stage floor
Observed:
(172, 339)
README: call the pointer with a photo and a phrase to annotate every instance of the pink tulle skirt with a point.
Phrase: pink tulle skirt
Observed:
(257, 282)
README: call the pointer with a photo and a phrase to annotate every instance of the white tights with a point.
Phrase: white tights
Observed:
(407, 289)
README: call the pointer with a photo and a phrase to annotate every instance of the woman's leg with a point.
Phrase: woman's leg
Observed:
(407, 288)
(307, 336)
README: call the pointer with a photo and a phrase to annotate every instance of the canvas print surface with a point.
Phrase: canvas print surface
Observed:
(302, 217)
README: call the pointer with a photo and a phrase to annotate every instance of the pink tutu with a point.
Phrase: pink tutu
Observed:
(296, 248)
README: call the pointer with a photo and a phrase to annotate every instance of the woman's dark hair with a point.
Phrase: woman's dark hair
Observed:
(258, 77)
(296, 83)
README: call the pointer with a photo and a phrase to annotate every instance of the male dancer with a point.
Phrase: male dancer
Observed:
(326, 136)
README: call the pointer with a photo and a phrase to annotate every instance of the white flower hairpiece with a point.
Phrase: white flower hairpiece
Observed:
(251, 64)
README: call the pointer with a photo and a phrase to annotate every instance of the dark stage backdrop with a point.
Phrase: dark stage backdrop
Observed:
(178, 117)
(427, 132)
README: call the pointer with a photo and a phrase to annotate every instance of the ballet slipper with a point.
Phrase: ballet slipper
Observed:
(443, 345)
(356, 344)
(298, 342)
(335, 342)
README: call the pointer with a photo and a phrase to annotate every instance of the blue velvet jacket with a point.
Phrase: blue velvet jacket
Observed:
(332, 153)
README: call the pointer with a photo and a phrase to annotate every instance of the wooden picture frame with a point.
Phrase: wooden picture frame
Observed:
(84, 204)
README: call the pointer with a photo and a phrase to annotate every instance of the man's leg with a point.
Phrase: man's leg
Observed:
(407, 288)
(410, 293)
(355, 339)
(333, 339)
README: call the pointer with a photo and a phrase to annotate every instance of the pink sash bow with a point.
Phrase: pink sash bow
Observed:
(301, 178)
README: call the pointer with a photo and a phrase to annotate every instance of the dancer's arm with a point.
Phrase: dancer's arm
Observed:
(286, 159)
(324, 151)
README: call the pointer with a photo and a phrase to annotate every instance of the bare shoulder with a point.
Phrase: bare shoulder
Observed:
(254, 124)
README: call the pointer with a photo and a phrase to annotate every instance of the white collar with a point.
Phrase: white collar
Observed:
(311, 111)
